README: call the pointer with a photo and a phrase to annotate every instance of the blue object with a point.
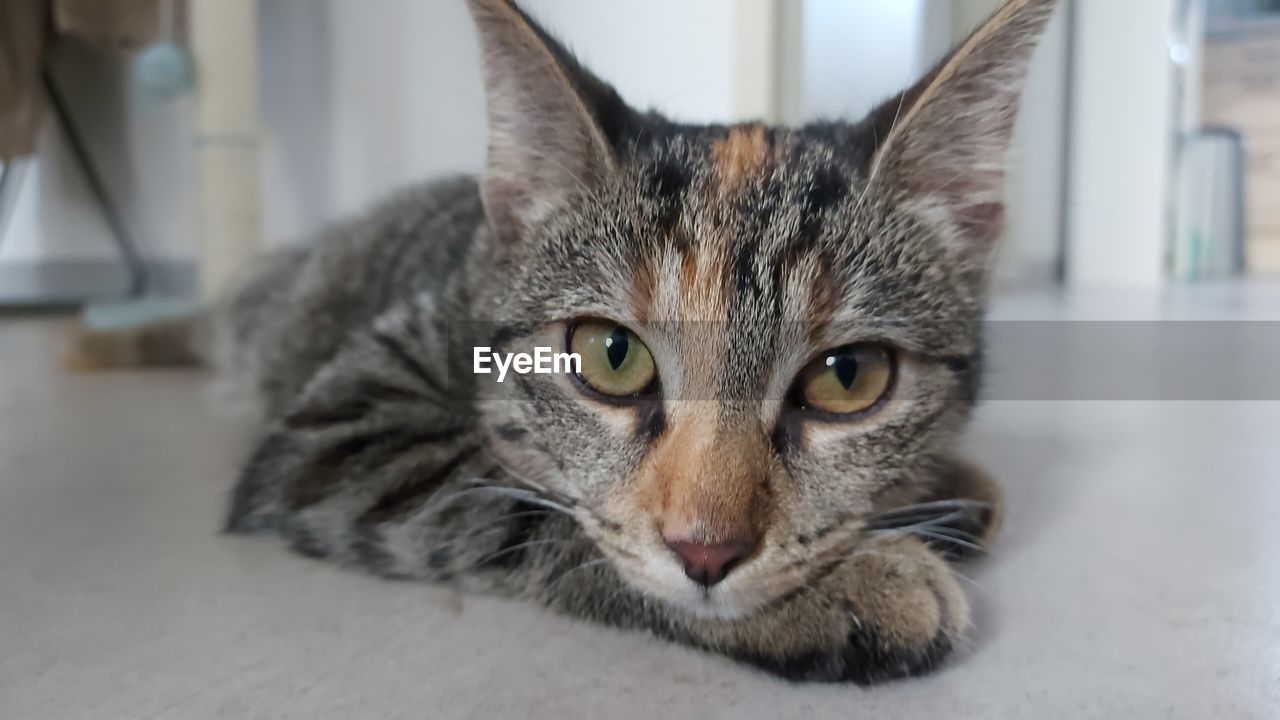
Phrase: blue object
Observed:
(131, 314)
(164, 70)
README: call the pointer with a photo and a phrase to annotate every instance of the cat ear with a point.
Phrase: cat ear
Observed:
(946, 139)
(551, 123)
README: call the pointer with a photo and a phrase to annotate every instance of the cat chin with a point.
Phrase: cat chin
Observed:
(722, 603)
(707, 607)
(659, 578)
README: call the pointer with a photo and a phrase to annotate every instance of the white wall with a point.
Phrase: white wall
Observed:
(363, 98)
(1122, 133)
(142, 148)
(1119, 135)
(854, 55)
(359, 98)
(402, 100)
(394, 96)
(295, 99)
(673, 55)
(1036, 185)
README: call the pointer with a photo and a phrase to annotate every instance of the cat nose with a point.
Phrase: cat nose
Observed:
(709, 563)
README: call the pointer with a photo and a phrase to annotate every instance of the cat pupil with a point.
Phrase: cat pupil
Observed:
(616, 346)
(845, 368)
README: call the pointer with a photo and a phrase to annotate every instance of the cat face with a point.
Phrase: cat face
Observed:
(778, 328)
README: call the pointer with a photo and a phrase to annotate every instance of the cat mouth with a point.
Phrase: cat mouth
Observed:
(733, 603)
(662, 579)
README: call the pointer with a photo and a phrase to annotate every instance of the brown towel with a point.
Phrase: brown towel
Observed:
(22, 44)
(123, 24)
(24, 27)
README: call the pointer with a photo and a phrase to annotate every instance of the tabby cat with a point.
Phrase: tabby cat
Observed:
(779, 340)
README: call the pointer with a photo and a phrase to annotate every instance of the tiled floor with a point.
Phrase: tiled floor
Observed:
(1139, 577)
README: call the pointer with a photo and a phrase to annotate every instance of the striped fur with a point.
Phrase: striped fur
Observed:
(738, 254)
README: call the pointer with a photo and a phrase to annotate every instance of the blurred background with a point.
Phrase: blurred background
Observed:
(151, 146)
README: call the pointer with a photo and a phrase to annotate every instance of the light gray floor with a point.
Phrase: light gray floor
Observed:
(1139, 577)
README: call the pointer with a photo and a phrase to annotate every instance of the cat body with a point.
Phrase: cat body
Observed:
(745, 277)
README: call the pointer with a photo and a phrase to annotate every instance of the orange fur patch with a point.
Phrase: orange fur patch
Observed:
(744, 153)
(689, 271)
(703, 289)
(643, 286)
(708, 485)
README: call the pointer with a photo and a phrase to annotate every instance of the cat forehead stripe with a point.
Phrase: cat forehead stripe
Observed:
(742, 154)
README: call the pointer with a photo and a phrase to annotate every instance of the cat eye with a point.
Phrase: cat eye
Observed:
(846, 381)
(615, 363)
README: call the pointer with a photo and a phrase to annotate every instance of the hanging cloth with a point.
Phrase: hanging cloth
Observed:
(25, 30)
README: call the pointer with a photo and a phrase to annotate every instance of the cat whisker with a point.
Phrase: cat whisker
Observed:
(480, 486)
(443, 502)
(924, 515)
(902, 556)
(580, 567)
(947, 530)
(526, 496)
(972, 583)
(953, 502)
(940, 534)
(520, 477)
(499, 523)
(845, 539)
(918, 519)
(521, 546)
(914, 528)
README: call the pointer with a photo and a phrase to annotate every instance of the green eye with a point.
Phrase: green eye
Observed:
(614, 361)
(846, 381)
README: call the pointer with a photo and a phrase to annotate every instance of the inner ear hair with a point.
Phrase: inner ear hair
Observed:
(545, 141)
(1021, 19)
(947, 136)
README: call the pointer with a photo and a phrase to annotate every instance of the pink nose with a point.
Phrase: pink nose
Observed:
(709, 563)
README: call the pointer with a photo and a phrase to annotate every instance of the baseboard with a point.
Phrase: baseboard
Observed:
(75, 282)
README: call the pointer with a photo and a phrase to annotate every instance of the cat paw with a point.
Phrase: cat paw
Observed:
(907, 611)
(894, 610)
